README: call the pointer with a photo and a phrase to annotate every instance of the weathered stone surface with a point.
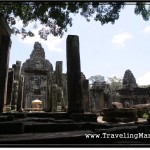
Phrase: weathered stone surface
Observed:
(20, 93)
(36, 71)
(74, 85)
(14, 95)
(85, 85)
(99, 96)
(119, 115)
(10, 85)
(5, 44)
(129, 80)
(58, 73)
(54, 98)
(141, 106)
(117, 105)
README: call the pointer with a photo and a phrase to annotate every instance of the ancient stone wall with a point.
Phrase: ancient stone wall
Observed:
(36, 72)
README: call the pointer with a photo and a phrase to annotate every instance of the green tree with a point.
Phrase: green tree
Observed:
(97, 79)
(115, 84)
(56, 15)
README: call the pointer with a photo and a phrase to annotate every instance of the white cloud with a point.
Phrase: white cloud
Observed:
(120, 39)
(52, 43)
(147, 30)
(144, 80)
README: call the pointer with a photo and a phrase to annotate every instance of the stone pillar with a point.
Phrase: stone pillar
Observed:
(49, 92)
(74, 84)
(9, 86)
(14, 95)
(54, 97)
(65, 95)
(17, 85)
(85, 85)
(17, 70)
(58, 73)
(20, 93)
(5, 44)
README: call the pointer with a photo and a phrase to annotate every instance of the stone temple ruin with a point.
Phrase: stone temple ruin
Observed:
(40, 105)
(131, 94)
(37, 80)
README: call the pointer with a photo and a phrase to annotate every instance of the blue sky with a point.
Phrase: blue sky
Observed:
(106, 50)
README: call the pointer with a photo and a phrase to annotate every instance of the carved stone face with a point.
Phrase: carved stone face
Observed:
(38, 64)
(37, 45)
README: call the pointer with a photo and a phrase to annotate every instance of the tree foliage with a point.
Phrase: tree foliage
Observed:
(56, 16)
(115, 84)
(97, 79)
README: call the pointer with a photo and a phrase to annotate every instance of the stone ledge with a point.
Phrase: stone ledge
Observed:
(32, 127)
(82, 117)
(11, 128)
(16, 114)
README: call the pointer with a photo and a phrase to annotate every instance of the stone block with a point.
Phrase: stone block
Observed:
(119, 115)
(11, 128)
(117, 105)
(119, 119)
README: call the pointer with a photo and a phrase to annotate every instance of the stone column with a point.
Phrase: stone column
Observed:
(85, 85)
(49, 92)
(65, 91)
(74, 85)
(17, 70)
(9, 86)
(15, 95)
(5, 44)
(20, 93)
(58, 73)
(54, 97)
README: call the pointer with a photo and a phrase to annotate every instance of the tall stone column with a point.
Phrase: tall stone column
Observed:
(10, 86)
(20, 93)
(74, 84)
(85, 85)
(54, 97)
(58, 72)
(5, 44)
(49, 92)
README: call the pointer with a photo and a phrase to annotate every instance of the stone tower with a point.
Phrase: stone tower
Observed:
(37, 73)
(129, 80)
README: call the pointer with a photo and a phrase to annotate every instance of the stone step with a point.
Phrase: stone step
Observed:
(11, 127)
